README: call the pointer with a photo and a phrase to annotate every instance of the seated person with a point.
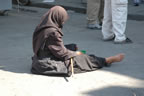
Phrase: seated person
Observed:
(52, 58)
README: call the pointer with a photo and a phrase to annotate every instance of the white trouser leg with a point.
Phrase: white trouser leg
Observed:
(136, 1)
(119, 19)
(107, 21)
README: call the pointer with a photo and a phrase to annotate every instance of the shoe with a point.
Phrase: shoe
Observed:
(136, 4)
(94, 26)
(127, 41)
(110, 38)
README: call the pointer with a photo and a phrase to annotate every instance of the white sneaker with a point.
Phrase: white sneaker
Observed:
(94, 26)
(109, 38)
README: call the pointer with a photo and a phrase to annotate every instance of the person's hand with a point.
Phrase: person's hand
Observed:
(79, 53)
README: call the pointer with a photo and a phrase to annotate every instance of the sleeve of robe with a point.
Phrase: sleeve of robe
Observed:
(57, 48)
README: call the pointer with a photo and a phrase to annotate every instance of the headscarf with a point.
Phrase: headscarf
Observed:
(53, 19)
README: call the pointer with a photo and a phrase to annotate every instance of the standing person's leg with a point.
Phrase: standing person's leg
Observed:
(136, 2)
(107, 21)
(92, 13)
(101, 12)
(119, 19)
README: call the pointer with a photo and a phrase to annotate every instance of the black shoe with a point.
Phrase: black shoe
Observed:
(136, 4)
(127, 41)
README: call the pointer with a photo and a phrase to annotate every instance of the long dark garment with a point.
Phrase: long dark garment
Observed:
(47, 64)
(51, 57)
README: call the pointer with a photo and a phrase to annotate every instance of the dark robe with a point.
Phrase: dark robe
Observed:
(51, 57)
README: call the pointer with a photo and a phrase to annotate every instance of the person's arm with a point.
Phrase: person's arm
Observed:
(57, 48)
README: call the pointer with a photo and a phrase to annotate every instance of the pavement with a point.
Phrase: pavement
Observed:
(80, 6)
(76, 5)
(125, 78)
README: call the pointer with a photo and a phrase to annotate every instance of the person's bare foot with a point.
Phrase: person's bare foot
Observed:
(116, 58)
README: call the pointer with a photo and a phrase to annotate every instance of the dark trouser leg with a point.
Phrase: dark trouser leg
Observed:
(99, 61)
(85, 63)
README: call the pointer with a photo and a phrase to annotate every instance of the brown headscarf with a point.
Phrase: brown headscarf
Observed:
(54, 18)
